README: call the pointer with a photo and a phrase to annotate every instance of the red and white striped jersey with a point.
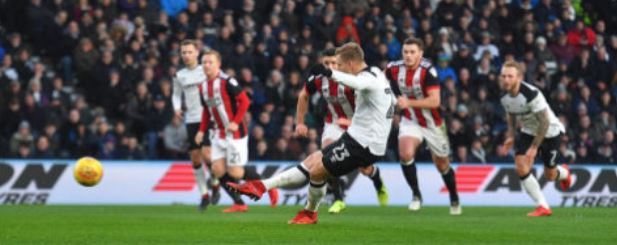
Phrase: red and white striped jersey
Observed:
(340, 98)
(415, 84)
(224, 102)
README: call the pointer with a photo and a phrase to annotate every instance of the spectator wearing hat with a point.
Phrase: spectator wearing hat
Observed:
(444, 71)
(22, 138)
(464, 59)
(544, 54)
(445, 43)
(486, 45)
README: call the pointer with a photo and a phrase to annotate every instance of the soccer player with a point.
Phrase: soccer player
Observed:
(185, 82)
(414, 82)
(361, 145)
(225, 103)
(540, 131)
(341, 105)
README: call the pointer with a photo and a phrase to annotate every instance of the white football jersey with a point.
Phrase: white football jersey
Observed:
(186, 81)
(525, 104)
(375, 104)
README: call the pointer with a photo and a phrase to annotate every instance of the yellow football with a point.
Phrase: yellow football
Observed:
(88, 171)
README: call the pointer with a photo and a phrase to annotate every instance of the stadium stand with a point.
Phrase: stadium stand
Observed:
(88, 77)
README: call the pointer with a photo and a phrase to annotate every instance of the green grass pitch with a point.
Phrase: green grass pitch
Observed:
(264, 225)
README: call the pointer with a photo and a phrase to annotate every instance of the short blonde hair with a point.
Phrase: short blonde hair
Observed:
(514, 65)
(350, 52)
(216, 54)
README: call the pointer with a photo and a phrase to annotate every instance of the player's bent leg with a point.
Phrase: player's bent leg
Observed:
(336, 185)
(250, 174)
(236, 172)
(449, 178)
(372, 172)
(522, 165)
(316, 191)
(532, 187)
(290, 177)
(219, 169)
(559, 173)
(407, 151)
(552, 171)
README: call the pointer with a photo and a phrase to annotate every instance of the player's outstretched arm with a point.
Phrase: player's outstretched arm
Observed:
(362, 81)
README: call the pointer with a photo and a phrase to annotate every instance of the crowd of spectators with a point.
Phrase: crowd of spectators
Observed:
(93, 77)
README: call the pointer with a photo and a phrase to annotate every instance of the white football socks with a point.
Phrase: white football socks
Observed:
(316, 192)
(200, 178)
(292, 176)
(531, 186)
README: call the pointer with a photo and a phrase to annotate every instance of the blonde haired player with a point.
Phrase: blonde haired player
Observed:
(363, 144)
(340, 102)
(540, 131)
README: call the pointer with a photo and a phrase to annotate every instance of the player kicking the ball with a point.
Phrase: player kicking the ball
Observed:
(363, 144)
(341, 105)
(414, 81)
(540, 130)
(225, 103)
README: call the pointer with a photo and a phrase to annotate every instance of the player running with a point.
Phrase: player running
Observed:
(414, 82)
(540, 130)
(225, 103)
(185, 82)
(363, 144)
(341, 105)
